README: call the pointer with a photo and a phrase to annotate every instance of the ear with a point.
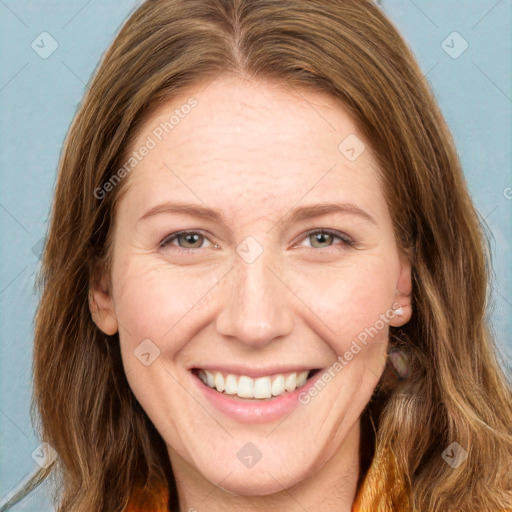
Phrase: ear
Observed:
(403, 295)
(102, 308)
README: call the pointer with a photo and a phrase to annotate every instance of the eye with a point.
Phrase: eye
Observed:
(322, 236)
(192, 238)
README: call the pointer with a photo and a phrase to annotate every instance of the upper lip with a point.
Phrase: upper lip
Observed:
(255, 371)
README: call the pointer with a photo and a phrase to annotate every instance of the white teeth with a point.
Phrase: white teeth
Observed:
(290, 382)
(247, 387)
(302, 377)
(231, 385)
(219, 381)
(262, 388)
(278, 385)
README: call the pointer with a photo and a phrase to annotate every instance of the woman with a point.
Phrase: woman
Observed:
(261, 369)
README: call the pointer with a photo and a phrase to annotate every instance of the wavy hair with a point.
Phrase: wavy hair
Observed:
(458, 390)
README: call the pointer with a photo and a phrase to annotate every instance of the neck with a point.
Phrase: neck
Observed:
(330, 488)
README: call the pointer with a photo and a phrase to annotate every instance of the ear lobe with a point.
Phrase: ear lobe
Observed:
(102, 309)
(403, 299)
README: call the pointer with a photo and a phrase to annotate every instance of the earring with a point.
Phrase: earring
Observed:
(399, 311)
(399, 362)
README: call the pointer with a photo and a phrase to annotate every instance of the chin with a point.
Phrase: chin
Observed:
(247, 483)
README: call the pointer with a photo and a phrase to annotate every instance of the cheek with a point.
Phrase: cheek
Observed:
(158, 302)
(351, 299)
(168, 304)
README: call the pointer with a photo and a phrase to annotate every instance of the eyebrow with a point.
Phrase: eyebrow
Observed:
(296, 214)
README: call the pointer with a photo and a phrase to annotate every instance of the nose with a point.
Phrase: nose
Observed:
(256, 309)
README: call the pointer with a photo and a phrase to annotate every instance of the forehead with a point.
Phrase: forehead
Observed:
(245, 146)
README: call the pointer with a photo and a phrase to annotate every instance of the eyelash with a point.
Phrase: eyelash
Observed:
(173, 236)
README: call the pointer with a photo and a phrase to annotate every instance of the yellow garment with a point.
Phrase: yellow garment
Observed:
(382, 490)
(142, 501)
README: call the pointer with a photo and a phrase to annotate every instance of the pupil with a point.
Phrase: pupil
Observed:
(189, 237)
(320, 236)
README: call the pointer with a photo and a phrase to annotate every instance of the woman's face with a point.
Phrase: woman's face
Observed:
(272, 300)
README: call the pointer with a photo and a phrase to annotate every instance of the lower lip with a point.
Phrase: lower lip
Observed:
(255, 411)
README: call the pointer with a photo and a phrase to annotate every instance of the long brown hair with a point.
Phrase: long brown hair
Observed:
(107, 446)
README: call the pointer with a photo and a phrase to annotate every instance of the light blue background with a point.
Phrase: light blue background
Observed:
(38, 98)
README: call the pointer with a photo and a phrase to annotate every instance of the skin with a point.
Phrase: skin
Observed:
(254, 150)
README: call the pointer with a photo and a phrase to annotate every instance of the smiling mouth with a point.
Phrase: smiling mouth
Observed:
(260, 388)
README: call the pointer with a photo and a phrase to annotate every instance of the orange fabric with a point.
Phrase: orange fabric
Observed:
(143, 501)
(382, 490)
